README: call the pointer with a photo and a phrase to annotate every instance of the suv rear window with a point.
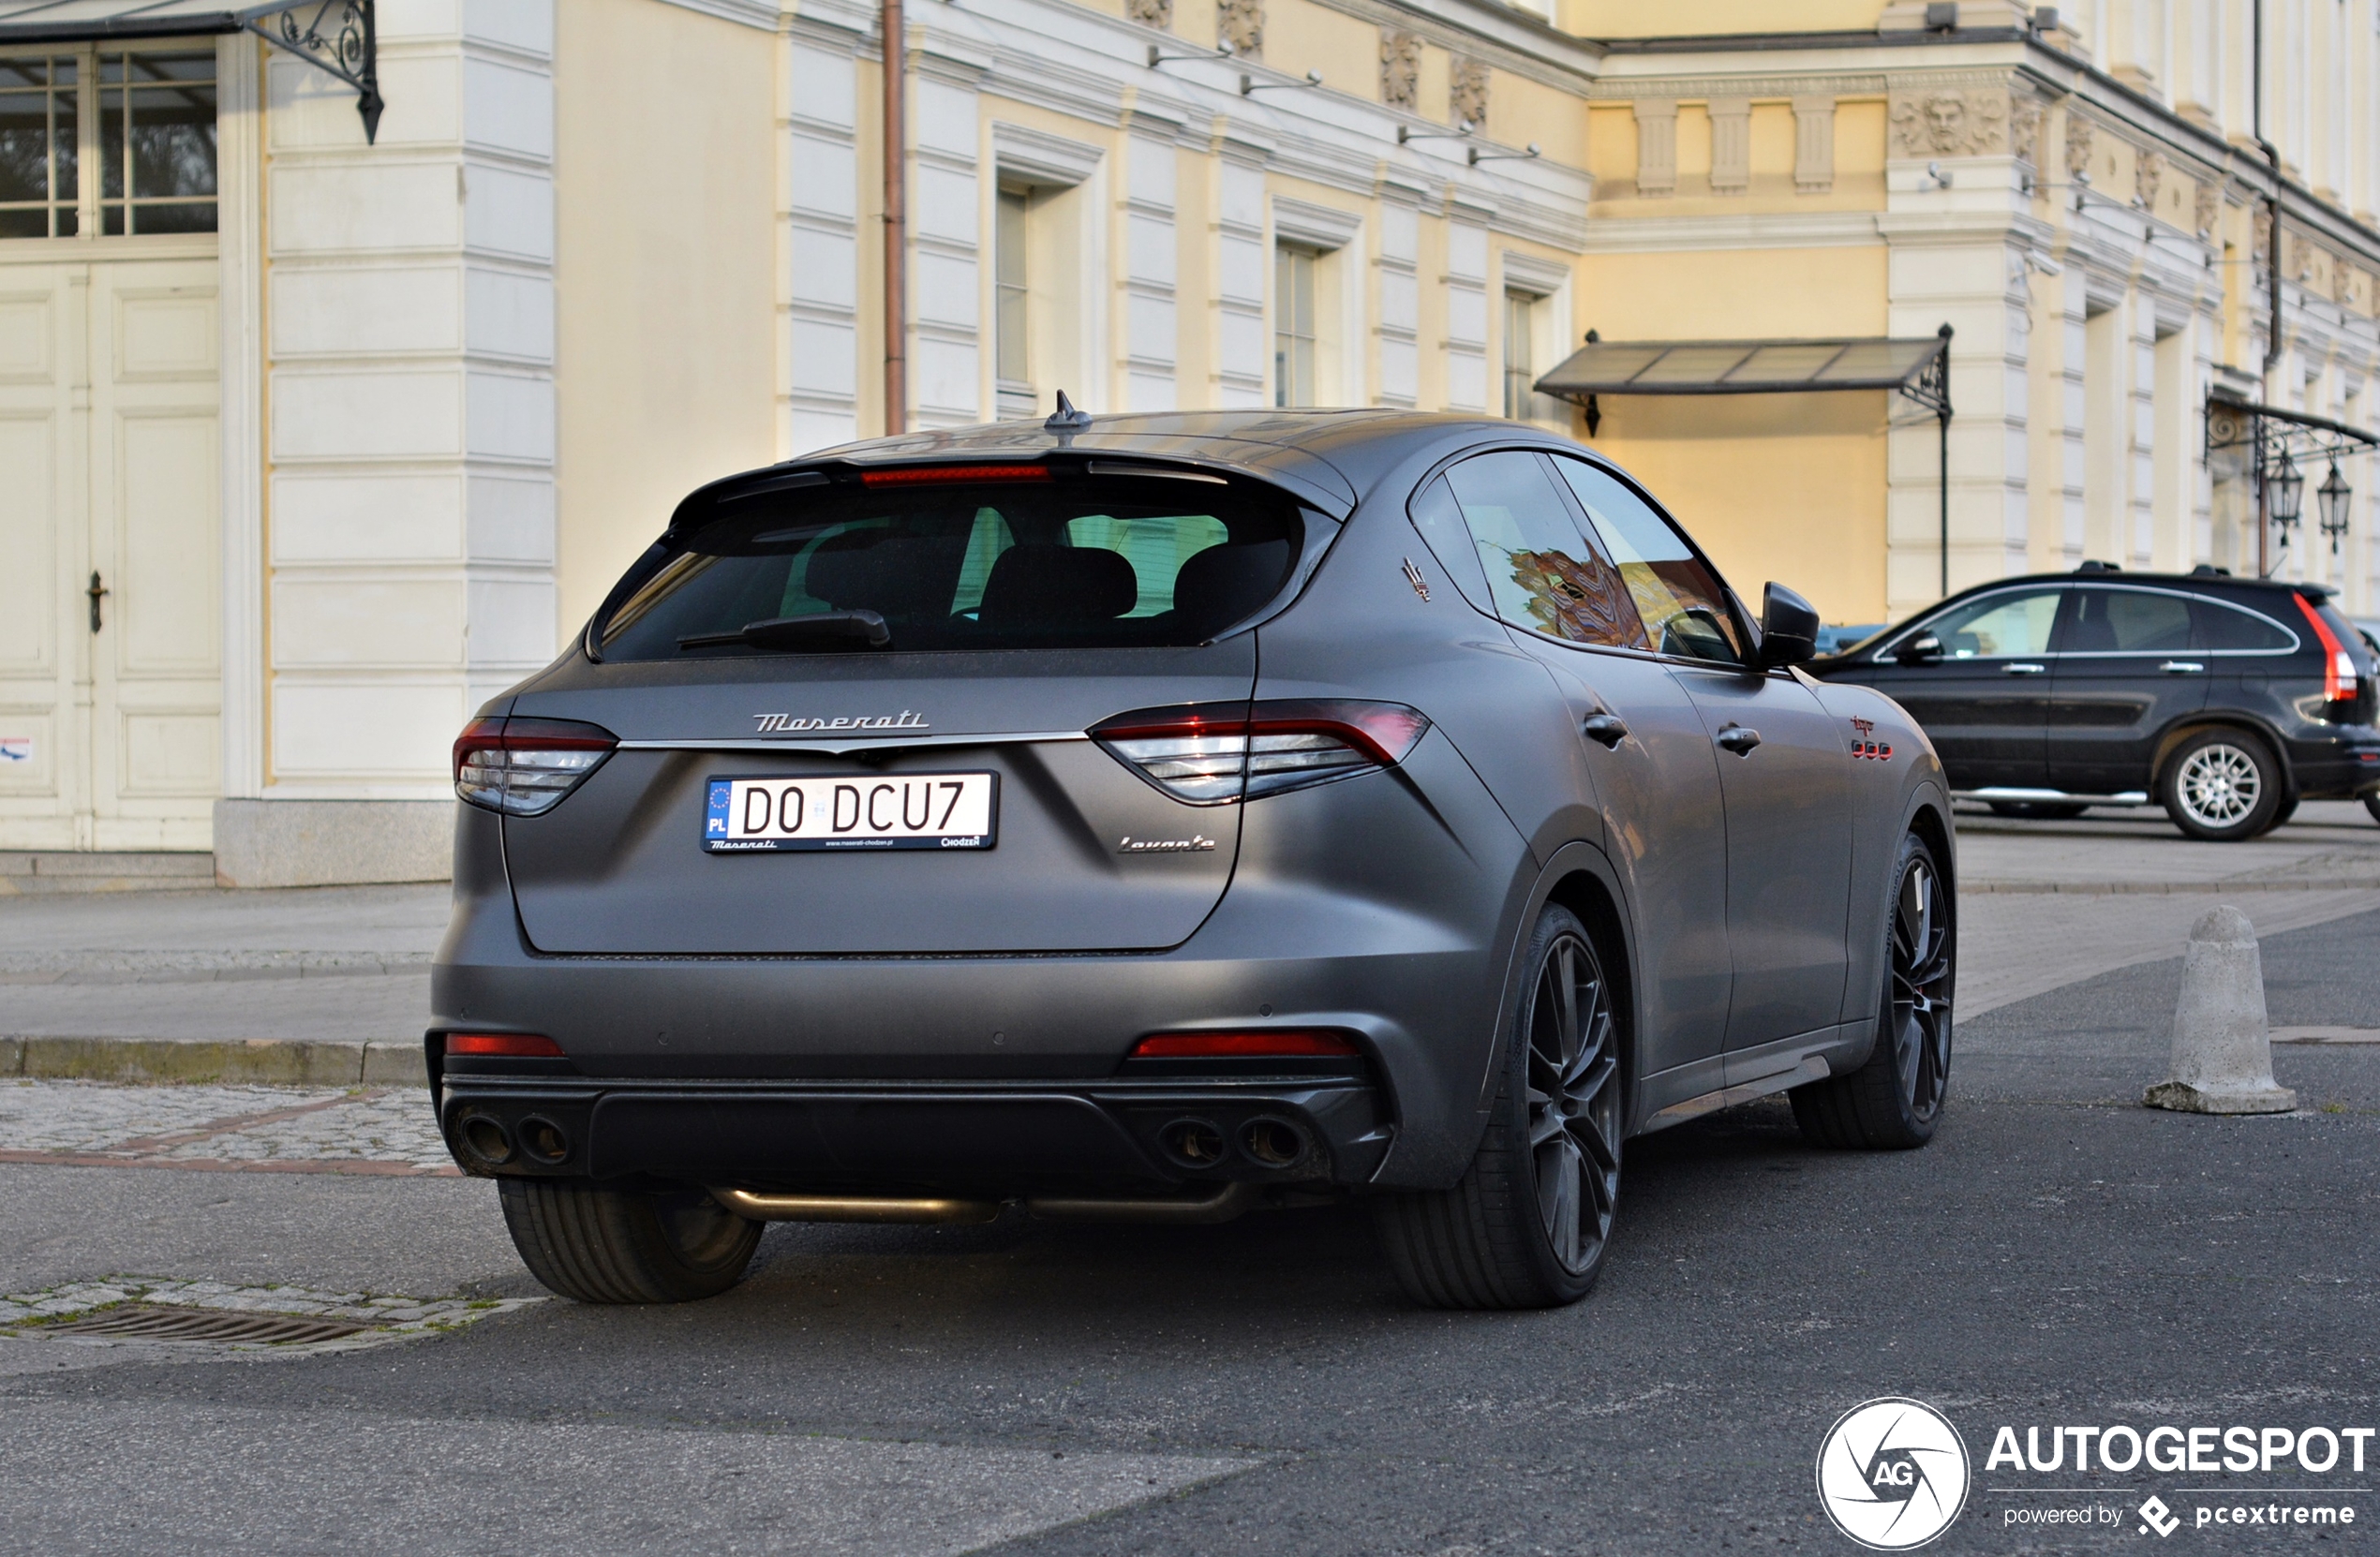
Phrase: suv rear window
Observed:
(1062, 562)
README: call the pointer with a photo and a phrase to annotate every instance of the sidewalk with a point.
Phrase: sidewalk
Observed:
(326, 986)
(329, 986)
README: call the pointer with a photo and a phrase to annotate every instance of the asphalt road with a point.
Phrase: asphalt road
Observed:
(2058, 1255)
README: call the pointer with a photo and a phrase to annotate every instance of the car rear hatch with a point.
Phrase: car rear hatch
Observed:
(852, 716)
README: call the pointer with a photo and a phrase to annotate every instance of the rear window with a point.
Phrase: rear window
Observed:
(2224, 629)
(1061, 563)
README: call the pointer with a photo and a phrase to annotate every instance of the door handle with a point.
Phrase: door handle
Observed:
(98, 592)
(2023, 667)
(1739, 740)
(2182, 667)
(1606, 728)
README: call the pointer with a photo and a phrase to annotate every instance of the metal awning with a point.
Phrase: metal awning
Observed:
(1750, 367)
(340, 36)
(1917, 366)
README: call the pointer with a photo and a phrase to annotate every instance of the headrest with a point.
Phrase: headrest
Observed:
(895, 575)
(1224, 583)
(1058, 583)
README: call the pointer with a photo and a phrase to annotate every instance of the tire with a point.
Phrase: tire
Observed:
(1894, 1100)
(2371, 803)
(1529, 1223)
(2037, 810)
(613, 1246)
(2223, 785)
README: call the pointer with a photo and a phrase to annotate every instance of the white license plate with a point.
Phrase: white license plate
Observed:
(901, 811)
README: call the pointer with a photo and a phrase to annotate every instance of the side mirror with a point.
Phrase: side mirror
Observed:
(1924, 650)
(1789, 628)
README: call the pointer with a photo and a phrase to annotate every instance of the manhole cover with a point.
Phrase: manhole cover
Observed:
(161, 1322)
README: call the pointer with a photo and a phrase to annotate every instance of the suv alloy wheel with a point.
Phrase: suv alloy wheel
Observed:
(2222, 785)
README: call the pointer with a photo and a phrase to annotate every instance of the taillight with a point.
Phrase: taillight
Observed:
(2338, 665)
(1214, 754)
(1286, 1044)
(525, 767)
(502, 1045)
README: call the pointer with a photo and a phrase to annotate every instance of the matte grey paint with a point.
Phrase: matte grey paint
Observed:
(1391, 905)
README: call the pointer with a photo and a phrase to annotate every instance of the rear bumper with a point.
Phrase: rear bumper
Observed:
(977, 1139)
(2335, 769)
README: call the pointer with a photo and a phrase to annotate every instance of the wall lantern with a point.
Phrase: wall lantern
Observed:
(2335, 494)
(2287, 491)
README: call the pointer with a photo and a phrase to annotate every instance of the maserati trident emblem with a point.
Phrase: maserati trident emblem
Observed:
(771, 724)
(1865, 746)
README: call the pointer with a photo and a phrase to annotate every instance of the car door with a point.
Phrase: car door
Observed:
(2126, 668)
(1784, 769)
(1983, 698)
(1647, 760)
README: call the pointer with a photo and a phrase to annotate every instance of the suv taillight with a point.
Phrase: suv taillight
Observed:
(1213, 754)
(2338, 665)
(525, 767)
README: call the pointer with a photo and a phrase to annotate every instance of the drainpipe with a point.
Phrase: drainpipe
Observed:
(896, 140)
(2272, 280)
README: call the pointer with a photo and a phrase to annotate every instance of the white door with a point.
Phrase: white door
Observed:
(111, 633)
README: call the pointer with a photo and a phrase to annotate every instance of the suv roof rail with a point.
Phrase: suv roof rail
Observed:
(2094, 566)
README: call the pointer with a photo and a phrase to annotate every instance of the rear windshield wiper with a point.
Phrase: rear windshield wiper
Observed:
(854, 629)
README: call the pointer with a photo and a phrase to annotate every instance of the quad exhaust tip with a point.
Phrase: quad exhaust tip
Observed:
(486, 1140)
(1271, 1142)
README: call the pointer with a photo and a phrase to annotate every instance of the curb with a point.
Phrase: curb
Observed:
(268, 1061)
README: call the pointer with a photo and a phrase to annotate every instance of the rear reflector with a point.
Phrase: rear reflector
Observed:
(2338, 665)
(1288, 1044)
(524, 766)
(503, 1045)
(1214, 754)
(943, 475)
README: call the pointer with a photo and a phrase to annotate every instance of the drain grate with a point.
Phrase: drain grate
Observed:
(162, 1322)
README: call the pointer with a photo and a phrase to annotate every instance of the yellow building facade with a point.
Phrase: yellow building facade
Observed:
(353, 427)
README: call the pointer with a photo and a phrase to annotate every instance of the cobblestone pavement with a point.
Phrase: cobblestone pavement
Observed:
(268, 1129)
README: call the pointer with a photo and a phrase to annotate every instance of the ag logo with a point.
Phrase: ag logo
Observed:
(1892, 1473)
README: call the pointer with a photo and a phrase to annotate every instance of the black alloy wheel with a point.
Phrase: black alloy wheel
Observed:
(1895, 1099)
(1573, 1103)
(1529, 1223)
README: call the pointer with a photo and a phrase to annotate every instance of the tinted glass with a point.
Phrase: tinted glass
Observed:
(1439, 519)
(1541, 572)
(1682, 602)
(1061, 564)
(2125, 621)
(1997, 627)
(2221, 628)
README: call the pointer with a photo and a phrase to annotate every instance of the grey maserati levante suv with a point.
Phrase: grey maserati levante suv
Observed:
(1159, 817)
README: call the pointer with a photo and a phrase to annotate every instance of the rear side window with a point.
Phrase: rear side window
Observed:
(1682, 602)
(1542, 574)
(2126, 621)
(1063, 563)
(1999, 626)
(2223, 629)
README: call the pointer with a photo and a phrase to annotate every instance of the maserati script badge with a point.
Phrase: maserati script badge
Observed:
(772, 723)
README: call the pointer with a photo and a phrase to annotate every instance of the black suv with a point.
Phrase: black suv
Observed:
(2224, 700)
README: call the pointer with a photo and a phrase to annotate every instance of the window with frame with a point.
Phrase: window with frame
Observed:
(2000, 627)
(150, 116)
(1012, 321)
(1295, 325)
(1519, 374)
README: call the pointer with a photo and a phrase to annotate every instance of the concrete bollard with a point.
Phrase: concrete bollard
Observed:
(2223, 1051)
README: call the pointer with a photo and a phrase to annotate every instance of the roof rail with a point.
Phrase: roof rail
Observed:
(2094, 566)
